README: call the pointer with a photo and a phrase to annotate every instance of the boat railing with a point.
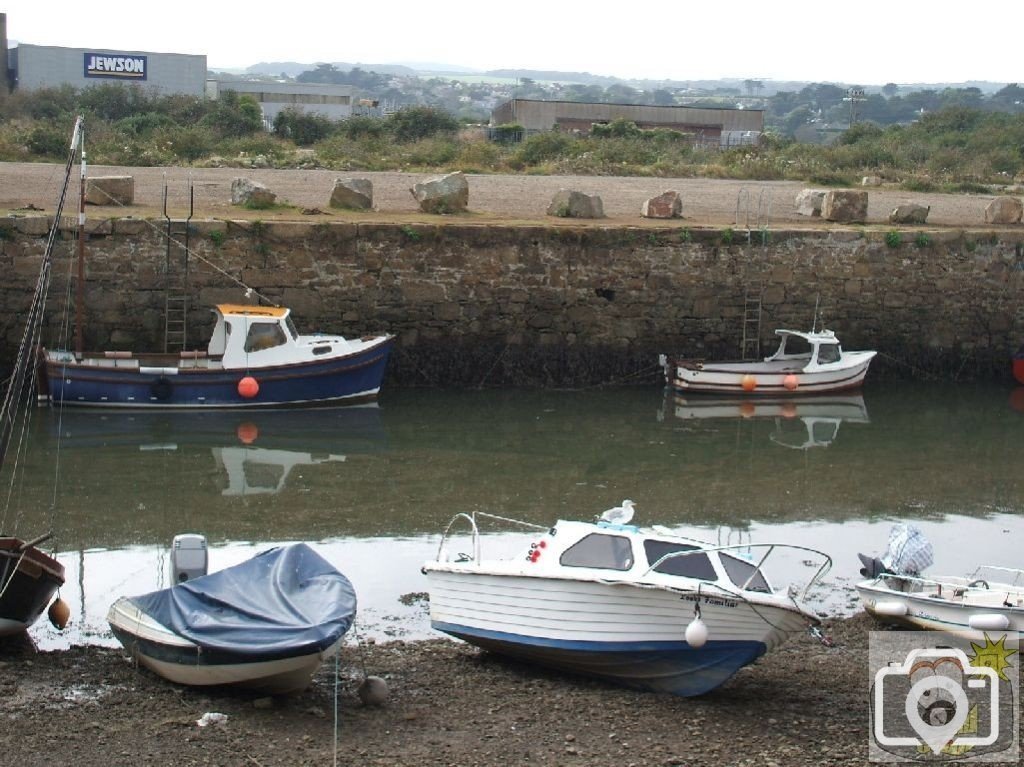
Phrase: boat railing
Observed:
(958, 586)
(471, 518)
(758, 566)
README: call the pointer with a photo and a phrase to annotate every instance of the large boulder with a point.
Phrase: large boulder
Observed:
(845, 206)
(1004, 210)
(570, 204)
(808, 202)
(447, 194)
(871, 181)
(352, 194)
(252, 194)
(110, 190)
(909, 213)
(666, 205)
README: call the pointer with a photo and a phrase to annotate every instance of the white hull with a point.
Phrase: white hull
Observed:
(971, 614)
(566, 610)
(769, 377)
(183, 662)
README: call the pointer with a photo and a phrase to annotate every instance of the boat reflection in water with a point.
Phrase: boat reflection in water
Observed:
(799, 424)
(255, 450)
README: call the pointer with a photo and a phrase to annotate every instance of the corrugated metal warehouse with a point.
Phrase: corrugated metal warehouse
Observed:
(48, 66)
(708, 125)
(332, 101)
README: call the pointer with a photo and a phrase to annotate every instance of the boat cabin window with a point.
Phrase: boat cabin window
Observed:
(739, 571)
(828, 353)
(291, 327)
(795, 346)
(690, 565)
(608, 552)
(264, 335)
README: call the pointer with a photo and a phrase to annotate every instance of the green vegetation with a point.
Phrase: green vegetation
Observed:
(959, 148)
(893, 239)
(922, 240)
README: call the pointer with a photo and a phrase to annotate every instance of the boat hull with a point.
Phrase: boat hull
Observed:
(935, 613)
(350, 379)
(183, 662)
(28, 581)
(630, 635)
(765, 378)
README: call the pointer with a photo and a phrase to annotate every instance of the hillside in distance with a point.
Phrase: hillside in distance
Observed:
(756, 86)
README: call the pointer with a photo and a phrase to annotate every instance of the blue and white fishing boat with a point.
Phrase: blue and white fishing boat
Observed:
(264, 624)
(255, 359)
(644, 608)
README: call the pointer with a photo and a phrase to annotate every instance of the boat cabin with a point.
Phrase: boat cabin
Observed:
(260, 336)
(814, 349)
(626, 552)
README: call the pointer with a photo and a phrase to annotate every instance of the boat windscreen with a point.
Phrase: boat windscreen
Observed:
(690, 566)
(739, 572)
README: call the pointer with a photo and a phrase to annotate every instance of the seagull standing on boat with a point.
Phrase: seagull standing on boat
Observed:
(619, 515)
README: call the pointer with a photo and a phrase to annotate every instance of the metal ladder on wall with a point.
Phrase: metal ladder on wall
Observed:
(750, 346)
(176, 267)
(762, 216)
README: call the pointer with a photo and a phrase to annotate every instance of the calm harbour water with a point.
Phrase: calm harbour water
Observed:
(372, 488)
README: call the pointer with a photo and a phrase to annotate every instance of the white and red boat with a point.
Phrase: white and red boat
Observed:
(805, 363)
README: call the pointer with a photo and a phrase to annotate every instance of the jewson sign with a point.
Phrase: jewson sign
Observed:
(117, 67)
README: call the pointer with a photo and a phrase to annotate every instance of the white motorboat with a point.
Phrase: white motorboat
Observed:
(644, 608)
(805, 363)
(989, 600)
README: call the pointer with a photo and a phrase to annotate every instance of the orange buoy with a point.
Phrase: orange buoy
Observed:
(788, 410)
(1017, 399)
(749, 383)
(59, 613)
(247, 433)
(248, 387)
(791, 382)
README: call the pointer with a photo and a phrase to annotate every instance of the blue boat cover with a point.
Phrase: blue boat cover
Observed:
(285, 601)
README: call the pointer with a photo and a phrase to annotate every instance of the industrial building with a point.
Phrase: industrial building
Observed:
(722, 127)
(331, 101)
(31, 67)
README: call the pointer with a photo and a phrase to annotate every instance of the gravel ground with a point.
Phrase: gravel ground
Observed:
(449, 704)
(498, 198)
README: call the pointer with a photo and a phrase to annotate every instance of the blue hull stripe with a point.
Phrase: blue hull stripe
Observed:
(672, 667)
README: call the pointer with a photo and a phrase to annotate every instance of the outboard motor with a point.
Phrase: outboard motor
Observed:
(909, 553)
(188, 557)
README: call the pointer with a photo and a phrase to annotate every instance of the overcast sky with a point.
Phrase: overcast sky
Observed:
(863, 43)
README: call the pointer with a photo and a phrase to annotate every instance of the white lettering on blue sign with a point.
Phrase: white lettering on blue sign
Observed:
(118, 67)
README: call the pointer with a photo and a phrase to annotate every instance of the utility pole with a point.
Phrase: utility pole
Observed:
(853, 95)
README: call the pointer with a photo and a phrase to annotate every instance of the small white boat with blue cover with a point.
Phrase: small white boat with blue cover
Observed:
(264, 624)
(644, 608)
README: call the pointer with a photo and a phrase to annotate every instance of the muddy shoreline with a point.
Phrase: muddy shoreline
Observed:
(449, 704)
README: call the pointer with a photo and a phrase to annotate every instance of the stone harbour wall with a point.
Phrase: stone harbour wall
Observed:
(549, 305)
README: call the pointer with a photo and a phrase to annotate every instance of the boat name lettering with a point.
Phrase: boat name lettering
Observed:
(716, 601)
(121, 67)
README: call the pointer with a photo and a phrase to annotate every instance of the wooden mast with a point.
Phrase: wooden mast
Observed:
(80, 283)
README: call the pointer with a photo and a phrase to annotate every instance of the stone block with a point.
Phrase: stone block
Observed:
(666, 205)
(110, 190)
(352, 194)
(1004, 210)
(845, 206)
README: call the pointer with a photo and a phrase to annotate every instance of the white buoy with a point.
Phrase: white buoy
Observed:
(373, 691)
(988, 622)
(696, 633)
